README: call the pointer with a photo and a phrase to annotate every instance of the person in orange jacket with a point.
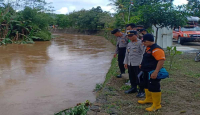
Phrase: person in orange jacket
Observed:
(153, 59)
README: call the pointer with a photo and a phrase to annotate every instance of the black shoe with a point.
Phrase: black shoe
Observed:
(119, 76)
(132, 90)
(140, 95)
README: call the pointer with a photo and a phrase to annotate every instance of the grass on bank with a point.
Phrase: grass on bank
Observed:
(80, 109)
(180, 91)
(112, 71)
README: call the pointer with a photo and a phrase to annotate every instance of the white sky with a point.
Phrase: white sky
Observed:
(66, 6)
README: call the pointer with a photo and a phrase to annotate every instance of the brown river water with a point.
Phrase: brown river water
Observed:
(47, 77)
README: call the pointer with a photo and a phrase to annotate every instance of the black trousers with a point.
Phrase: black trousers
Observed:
(153, 85)
(133, 76)
(121, 56)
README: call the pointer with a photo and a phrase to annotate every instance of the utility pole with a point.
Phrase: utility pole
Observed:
(131, 4)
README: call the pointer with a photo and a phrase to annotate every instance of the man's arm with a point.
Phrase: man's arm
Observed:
(126, 39)
(126, 60)
(142, 48)
(159, 66)
(159, 55)
(117, 48)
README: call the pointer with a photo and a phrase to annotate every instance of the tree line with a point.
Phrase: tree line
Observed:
(160, 13)
(23, 21)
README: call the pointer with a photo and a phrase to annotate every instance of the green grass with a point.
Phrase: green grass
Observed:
(109, 93)
(112, 71)
(168, 80)
(80, 109)
(125, 87)
(140, 107)
(98, 87)
(183, 70)
(111, 88)
(183, 66)
(191, 74)
(197, 95)
(108, 106)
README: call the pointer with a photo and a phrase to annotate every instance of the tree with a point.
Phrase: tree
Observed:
(106, 20)
(122, 9)
(163, 15)
(88, 19)
(194, 7)
(62, 20)
(149, 2)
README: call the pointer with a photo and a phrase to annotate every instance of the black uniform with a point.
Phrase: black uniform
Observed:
(121, 51)
(149, 63)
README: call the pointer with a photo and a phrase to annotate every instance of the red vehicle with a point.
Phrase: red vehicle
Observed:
(187, 34)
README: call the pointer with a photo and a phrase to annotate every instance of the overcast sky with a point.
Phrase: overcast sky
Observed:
(66, 6)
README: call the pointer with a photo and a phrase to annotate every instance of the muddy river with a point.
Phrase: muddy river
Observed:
(47, 77)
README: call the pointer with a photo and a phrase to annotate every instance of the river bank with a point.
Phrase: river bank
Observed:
(180, 92)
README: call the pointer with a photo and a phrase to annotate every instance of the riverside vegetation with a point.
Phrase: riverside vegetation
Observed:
(23, 21)
(23, 26)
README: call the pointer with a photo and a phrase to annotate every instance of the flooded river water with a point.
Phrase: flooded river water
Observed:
(47, 77)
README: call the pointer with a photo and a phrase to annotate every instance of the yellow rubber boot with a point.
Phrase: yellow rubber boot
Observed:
(148, 98)
(156, 96)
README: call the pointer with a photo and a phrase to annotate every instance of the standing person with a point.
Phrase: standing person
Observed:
(153, 59)
(139, 27)
(122, 42)
(142, 32)
(130, 27)
(132, 61)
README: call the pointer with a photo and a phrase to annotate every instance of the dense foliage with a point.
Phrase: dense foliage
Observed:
(33, 19)
(158, 13)
(26, 25)
(194, 7)
(93, 19)
(143, 12)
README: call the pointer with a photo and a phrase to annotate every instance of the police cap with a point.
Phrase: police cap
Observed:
(132, 32)
(114, 31)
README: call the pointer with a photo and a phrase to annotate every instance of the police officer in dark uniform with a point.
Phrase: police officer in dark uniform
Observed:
(153, 59)
(122, 42)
